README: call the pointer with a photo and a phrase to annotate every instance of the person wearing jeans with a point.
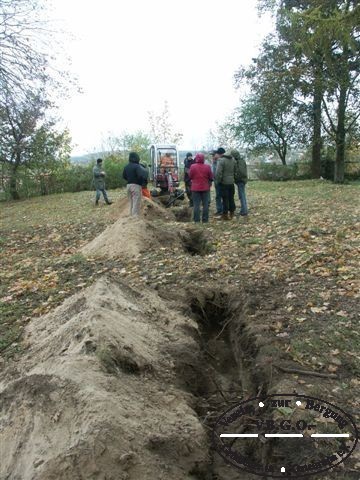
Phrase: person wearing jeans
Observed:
(201, 198)
(241, 180)
(99, 182)
(201, 177)
(242, 197)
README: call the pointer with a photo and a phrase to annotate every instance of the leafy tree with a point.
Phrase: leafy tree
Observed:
(340, 34)
(272, 116)
(138, 141)
(264, 123)
(323, 35)
(223, 134)
(27, 138)
(300, 44)
(161, 128)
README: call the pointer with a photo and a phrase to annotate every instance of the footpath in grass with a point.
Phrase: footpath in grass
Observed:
(300, 242)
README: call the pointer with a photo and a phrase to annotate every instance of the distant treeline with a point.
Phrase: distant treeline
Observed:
(75, 177)
(67, 177)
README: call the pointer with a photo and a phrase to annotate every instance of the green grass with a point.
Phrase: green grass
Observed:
(40, 263)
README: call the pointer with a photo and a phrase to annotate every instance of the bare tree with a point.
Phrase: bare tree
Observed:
(161, 128)
(23, 37)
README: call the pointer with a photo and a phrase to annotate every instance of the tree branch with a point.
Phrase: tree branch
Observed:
(329, 118)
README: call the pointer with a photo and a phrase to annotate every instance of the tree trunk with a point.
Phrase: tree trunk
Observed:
(340, 138)
(344, 86)
(316, 137)
(282, 154)
(283, 150)
(13, 183)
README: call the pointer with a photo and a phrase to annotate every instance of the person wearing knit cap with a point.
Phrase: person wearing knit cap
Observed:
(201, 177)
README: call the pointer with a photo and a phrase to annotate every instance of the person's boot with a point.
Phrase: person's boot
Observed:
(231, 215)
(224, 216)
(109, 202)
(96, 203)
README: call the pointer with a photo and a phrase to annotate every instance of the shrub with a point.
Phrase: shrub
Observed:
(67, 178)
(114, 166)
(75, 178)
(351, 166)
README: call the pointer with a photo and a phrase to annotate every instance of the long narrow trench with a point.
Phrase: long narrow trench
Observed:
(226, 378)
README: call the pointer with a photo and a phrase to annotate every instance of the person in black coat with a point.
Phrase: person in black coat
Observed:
(136, 177)
(189, 160)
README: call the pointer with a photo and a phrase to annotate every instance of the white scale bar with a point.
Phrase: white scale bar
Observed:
(285, 435)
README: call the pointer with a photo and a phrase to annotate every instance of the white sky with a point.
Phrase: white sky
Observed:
(131, 55)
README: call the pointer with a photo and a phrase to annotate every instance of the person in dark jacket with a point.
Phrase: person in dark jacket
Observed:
(136, 177)
(99, 182)
(226, 172)
(217, 154)
(241, 180)
(189, 160)
(201, 177)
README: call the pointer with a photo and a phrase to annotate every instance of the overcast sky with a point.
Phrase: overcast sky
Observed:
(131, 55)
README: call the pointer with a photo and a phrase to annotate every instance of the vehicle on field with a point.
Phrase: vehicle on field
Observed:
(165, 172)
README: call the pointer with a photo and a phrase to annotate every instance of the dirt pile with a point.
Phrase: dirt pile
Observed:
(150, 210)
(129, 236)
(99, 393)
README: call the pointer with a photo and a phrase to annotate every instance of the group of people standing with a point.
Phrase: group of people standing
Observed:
(228, 170)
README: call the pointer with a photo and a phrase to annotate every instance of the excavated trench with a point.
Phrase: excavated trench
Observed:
(227, 370)
(195, 242)
(224, 375)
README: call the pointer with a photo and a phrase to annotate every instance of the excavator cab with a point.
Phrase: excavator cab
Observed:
(165, 171)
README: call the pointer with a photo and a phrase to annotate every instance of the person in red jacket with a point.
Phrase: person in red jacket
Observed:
(201, 177)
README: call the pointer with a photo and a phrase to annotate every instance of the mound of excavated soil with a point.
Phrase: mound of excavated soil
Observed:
(150, 210)
(100, 393)
(130, 236)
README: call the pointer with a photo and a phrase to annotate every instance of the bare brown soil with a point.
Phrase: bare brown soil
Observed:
(97, 394)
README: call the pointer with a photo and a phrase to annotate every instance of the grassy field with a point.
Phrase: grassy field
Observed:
(39, 241)
(304, 235)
